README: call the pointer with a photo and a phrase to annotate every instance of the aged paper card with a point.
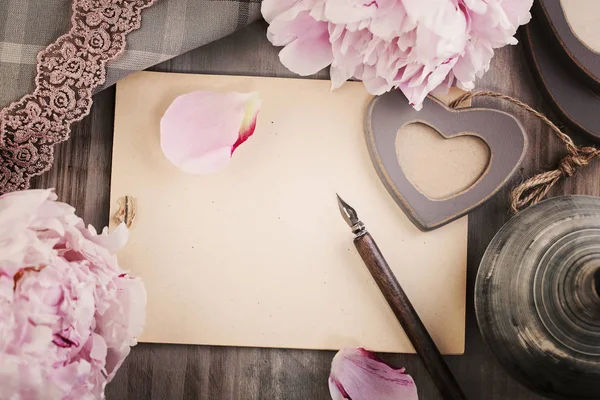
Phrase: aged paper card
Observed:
(257, 254)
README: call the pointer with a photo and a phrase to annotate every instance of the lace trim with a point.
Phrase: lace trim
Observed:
(67, 72)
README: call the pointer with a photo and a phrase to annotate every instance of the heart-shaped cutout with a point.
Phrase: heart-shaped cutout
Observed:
(501, 132)
(460, 162)
(570, 28)
(568, 94)
(582, 18)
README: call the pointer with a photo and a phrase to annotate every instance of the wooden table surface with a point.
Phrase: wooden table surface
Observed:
(81, 176)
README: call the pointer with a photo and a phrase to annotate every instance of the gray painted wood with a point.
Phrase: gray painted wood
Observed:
(576, 55)
(570, 96)
(500, 131)
(81, 177)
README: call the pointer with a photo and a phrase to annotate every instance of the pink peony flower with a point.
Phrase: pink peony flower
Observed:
(357, 374)
(200, 130)
(417, 46)
(68, 313)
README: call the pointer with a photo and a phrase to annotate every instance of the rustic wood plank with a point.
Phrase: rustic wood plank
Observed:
(81, 176)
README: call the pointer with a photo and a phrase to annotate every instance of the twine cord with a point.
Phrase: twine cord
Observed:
(535, 188)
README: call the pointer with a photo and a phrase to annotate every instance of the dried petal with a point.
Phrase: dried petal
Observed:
(357, 374)
(200, 130)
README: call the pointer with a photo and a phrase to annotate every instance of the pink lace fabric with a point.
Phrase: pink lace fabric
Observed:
(67, 72)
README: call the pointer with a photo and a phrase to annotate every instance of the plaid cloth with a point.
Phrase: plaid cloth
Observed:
(169, 28)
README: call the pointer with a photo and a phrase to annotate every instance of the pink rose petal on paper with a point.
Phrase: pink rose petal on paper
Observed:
(200, 130)
(357, 374)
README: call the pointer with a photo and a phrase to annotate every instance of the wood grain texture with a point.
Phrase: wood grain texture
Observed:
(81, 176)
(407, 316)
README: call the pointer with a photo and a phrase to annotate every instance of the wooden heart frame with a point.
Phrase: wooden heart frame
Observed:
(570, 97)
(575, 54)
(502, 133)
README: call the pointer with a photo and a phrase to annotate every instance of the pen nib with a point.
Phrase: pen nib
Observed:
(347, 212)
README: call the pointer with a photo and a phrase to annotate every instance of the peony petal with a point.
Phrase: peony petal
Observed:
(289, 26)
(209, 162)
(249, 121)
(200, 130)
(391, 21)
(358, 375)
(311, 51)
(474, 60)
(339, 76)
(336, 390)
(66, 308)
(306, 57)
(389, 44)
(348, 11)
(271, 9)
(111, 241)
(479, 6)
(517, 11)
(21, 203)
(97, 348)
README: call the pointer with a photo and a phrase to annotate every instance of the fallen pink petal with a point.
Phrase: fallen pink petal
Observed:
(358, 374)
(200, 130)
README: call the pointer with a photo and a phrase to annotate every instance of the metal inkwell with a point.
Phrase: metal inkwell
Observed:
(537, 297)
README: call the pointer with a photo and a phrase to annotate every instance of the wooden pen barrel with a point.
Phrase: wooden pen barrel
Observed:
(408, 318)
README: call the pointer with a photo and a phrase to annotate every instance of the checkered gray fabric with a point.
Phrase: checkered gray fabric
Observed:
(169, 28)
